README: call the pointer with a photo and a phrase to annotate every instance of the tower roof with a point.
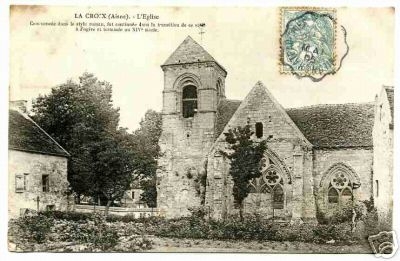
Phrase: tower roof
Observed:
(189, 51)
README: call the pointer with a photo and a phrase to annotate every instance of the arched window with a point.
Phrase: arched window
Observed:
(271, 181)
(333, 196)
(189, 101)
(259, 129)
(219, 88)
(278, 197)
(340, 189)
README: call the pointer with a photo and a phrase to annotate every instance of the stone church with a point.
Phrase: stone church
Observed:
(318, 158)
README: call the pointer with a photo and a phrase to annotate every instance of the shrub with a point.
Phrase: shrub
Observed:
(198, 212)
(371, 223)
(134, 244)
(73, 216)
(34, 229)
(341, 233)
(97, 232)
(230, 229)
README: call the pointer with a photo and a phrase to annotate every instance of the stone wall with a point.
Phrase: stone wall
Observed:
(32, 166)
(289, 149)
(185, 142)
(359, 160)
(383, 161)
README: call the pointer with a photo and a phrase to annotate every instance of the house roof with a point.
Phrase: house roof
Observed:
(390, 96)
(325, 126)
(24, 134)
(336, 125)
(189, 51)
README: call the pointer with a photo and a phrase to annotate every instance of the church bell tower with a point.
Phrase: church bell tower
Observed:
(194, 82)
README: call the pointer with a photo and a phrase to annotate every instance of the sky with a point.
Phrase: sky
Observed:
(244, 40)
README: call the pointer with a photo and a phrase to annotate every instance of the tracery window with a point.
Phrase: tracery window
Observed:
(340, 189)
(189, 101)
(271, 181)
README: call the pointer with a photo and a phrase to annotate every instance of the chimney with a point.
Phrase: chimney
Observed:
(20, 105)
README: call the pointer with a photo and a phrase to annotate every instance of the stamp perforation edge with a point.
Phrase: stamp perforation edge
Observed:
(306, 8)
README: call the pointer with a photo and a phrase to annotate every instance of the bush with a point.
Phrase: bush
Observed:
(43, 228)
(230, 229)
(134, 244)
(95, 232)
(340, 233)
(72, 216)
(34, 229)
(254, 228)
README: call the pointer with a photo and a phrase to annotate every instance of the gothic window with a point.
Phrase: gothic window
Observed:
(340, 189)
(278, 197)
(333, 196)
(189, 101)
(259, 129)
(271, 181)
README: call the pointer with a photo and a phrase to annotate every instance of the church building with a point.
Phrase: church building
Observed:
(318, 158)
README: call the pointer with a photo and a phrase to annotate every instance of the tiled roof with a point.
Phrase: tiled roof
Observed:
(336, 125)
(189, 51)
(325, 126)
(226, 109)
(26, 135)
(390, 95)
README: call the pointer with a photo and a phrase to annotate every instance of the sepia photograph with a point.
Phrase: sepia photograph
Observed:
(201, 129)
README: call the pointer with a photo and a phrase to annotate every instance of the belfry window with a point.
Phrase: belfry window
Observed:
(189, 101)
(219, 88)
(259, 129)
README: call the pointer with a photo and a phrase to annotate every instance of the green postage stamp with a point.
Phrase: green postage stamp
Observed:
(307, 41)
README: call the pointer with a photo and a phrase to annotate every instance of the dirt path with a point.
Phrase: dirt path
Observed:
(201, 245)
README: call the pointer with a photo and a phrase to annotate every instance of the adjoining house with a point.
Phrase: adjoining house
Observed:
(132, 197)
(319, 158)
(382, 177)
(37, 166)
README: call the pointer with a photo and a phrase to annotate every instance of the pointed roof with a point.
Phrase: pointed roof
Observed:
(236, 107)
(26, 135)
(189, 51)
(324, 125)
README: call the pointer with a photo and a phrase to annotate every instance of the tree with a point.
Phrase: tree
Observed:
(245, 155)
(81, 117)
(149, 194)
(145, 145)
(114, 165)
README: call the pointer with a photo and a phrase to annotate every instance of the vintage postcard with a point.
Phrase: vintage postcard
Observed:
(201, 129)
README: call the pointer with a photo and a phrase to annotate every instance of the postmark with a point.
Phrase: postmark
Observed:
(308, 41)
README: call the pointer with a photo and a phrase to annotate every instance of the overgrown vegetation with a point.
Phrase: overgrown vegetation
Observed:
(126, 233)
(90, 232)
